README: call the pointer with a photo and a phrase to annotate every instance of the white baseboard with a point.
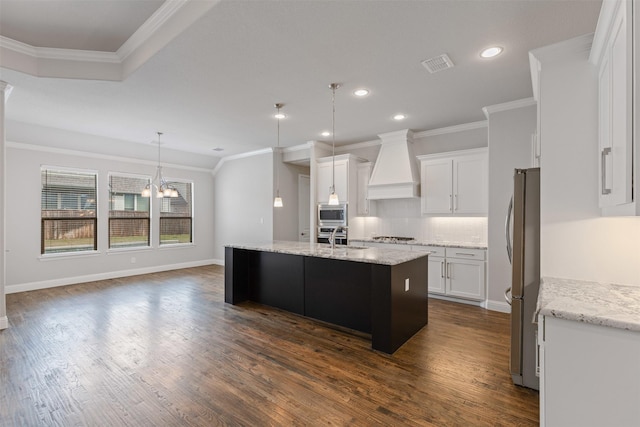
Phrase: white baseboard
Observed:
(218, 262)
(460, 300)
(32, 286)
(4, 322)
(500, 306)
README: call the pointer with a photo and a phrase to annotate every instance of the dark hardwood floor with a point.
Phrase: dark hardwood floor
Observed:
(164, 349)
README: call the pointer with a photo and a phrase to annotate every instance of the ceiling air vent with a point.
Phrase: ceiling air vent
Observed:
(437, 63)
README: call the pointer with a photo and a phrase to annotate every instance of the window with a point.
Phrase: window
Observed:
(176, 215)
(68, 211)
(129, 214)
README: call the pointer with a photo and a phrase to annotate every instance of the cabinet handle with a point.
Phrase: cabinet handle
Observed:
(442, 269)
(450, 203)
(455, 202)
(448, 270)
(603, 163)
(465, 254)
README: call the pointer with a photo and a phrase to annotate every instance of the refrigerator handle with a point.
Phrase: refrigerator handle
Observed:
(507, 295)
(507, 230)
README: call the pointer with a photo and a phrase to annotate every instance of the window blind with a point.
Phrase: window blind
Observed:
(176, 215)
(129, 213)
(68, 211)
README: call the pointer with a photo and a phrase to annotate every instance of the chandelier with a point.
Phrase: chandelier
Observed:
(162, 187)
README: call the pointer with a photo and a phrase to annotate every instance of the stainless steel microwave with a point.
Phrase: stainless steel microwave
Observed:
(332, 215)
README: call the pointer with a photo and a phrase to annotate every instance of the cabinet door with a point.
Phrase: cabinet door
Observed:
(582, 383)
(342, 181)
(615, 111)
(362, 203)
(325, 180)
(435, 275)
(465, 278)
(436, 182)
(470, 184)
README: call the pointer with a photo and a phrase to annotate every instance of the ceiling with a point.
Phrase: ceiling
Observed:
(213, 82)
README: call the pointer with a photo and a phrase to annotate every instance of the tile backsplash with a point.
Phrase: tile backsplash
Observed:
(403, 218)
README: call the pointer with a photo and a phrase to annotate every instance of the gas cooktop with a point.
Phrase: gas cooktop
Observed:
(392, 239)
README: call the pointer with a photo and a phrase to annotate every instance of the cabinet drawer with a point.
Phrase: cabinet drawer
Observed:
(465, 253)
(437, 251)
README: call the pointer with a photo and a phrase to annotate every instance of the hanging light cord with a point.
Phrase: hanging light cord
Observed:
(278, 152)
(333, 135)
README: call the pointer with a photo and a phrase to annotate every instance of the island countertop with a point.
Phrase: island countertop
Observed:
(616, 306)
(381, 256)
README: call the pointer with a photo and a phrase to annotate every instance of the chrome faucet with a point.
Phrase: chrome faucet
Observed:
(332, 237)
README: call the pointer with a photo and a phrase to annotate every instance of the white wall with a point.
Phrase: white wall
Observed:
(510, 130)
(5, 90)
(243, 210)
(453, 138)
(27, 269)
(576, 242)
(285, 219)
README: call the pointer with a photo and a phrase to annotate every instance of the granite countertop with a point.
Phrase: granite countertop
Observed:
(617, 306)
(426, 243)
(345, 253)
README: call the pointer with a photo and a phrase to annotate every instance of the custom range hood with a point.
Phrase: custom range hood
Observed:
(395, 174)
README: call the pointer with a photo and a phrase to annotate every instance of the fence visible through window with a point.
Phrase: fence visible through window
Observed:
(68, 211)
(176, 216)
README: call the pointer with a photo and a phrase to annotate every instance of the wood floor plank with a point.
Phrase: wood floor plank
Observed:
(164, 349)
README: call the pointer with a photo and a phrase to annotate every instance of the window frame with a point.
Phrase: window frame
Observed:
(149, 218)
(44, 219)
(191, 216)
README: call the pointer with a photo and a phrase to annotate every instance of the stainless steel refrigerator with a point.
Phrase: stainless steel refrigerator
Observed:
(523, 250)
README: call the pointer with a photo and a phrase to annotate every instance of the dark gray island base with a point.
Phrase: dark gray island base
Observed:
(381, 292)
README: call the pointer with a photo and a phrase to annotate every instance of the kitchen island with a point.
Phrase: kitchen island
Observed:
(381, 292)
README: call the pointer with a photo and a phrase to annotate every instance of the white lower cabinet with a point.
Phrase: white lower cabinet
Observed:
(589, 374)
(456, 272)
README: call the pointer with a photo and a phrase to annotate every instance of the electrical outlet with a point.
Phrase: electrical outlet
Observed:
(406, 285)
(133, 260)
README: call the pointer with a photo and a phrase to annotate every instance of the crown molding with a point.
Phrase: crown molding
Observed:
(572, 48)
(240, 156)
(604, 27)
(512, 105)
(149, 27)
(6, 88)
(451, 129)
(173, 17)
(68, 152)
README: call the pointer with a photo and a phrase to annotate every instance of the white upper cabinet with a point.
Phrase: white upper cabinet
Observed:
(346, 180)
(326, 179)
(363, 203)
(437, 185)
(455, 183)
(613, 54)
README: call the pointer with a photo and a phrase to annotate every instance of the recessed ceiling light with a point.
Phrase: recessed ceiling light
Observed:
(490, 52)
(399, 117)
(361, 92)
(218, 149)
(326, 133)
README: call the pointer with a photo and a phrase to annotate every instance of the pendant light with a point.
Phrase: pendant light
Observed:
(333, 197)
(163, 189)
(277, 202)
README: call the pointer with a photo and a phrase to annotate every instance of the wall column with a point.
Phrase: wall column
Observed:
(5, 90)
